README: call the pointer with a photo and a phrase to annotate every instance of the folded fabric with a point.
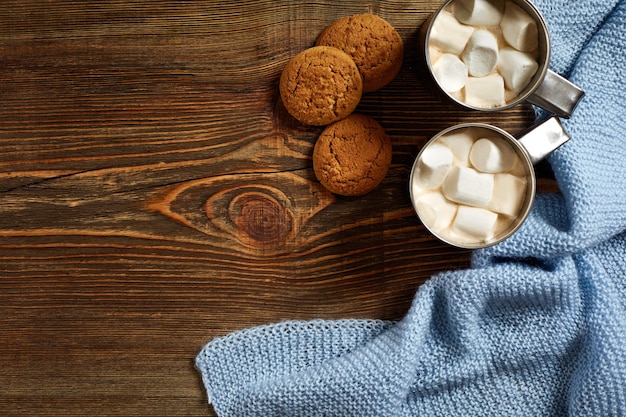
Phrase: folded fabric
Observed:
(536, 327)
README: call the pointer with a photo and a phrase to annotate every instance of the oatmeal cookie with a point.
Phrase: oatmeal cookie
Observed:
(352, 156)
(320, 85)
(372, 43)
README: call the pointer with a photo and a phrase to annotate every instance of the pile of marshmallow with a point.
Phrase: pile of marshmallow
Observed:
(469, 185)
(483, 52)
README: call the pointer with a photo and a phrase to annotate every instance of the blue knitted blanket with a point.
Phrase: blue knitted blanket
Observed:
(537, 326)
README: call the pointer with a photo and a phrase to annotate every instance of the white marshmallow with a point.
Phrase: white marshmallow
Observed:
(465, 185)
(508, 194)
(450, 72)
(517, 68)
(492, 156)
(433, 166)
(519, 169)
(435, 211)
(485, 92)
(478, 12)
(518, 28)
(481, 53)
(448, 34)
(460, 142)
(476, 222)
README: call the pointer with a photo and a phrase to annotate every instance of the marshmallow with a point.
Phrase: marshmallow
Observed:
(476, 222)
(519, 169)
(481, 54)
(518, 28)
(433, 166)
(460, 142)
(485, 92)
(478, 12)
(517, 68)
(448, 34)
(450, 72)
(508, 194)
(492, 156)
(465, 185)
(435, 211)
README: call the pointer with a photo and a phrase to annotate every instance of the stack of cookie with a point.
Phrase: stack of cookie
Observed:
(323, 85)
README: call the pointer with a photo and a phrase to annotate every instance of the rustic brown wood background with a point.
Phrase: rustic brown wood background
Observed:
(154, 194)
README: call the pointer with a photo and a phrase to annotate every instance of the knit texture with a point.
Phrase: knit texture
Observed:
(537, 326)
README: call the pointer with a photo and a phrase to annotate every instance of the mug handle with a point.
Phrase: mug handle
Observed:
(540, 140)
(557, 95)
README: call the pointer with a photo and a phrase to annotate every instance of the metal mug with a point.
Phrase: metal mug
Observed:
(530, 147)
(546, 88)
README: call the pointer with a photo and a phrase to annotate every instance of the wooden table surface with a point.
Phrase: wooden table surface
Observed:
(154, 194)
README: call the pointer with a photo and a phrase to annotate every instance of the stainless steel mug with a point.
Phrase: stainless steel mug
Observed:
(441, 181)
(545, 89)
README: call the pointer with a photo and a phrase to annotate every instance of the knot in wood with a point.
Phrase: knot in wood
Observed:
(261, 217)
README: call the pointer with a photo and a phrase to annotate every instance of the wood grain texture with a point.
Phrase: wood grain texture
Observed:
(154, 194)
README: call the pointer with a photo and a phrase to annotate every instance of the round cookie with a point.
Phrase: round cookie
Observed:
(373, 44)
(320, 85)
(352, 156)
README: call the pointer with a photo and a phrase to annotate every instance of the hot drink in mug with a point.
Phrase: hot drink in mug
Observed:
(493, 54)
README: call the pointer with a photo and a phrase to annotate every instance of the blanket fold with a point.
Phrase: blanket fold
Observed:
(537, 326)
